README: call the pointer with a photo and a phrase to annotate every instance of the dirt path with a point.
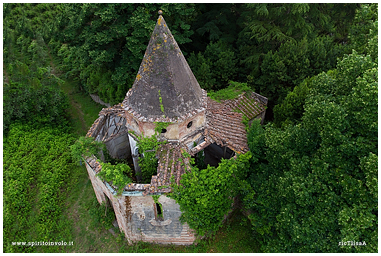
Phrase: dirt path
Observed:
(69, 92)
(77, 108)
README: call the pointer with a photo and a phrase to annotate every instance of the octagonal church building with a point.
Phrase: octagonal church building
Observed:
(165, 90)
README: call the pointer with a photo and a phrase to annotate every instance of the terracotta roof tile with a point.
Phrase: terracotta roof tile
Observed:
(224, 120)
(171, 166)
(225, 127)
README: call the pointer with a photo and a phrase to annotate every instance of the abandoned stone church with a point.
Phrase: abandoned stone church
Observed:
(165, 90)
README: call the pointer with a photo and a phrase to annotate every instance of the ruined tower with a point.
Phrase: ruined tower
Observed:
(165, 90)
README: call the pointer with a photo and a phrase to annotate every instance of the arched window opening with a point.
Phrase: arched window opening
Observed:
(159, 212)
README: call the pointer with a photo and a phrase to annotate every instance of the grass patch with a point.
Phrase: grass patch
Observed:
(231, 92)
(90, 226)
(83, 110)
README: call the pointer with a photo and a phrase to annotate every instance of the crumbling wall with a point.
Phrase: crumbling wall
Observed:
(136, 216)
(101, 191)
(143, 226)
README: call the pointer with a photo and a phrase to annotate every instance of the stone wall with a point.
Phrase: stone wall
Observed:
(119, 146)
(143, 226)
(175, 131)
(98, 100)
(136, 216)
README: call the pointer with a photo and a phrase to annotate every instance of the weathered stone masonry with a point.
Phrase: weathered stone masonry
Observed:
(136, 217)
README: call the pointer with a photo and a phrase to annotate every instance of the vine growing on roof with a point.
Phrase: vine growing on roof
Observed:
(147, 149)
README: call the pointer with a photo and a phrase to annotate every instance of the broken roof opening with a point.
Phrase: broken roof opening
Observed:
(213, 154)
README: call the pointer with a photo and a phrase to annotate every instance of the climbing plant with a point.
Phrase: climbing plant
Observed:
(86, 146)
(118, 175)
(206, 196)
(147, 148)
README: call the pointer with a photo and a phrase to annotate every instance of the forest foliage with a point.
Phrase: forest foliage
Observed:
(272, 47)
(313, 183)
(310, 180)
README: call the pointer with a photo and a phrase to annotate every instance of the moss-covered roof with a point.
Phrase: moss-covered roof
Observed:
(165, 85)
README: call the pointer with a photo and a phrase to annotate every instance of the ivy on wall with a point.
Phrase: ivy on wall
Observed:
(206, 196)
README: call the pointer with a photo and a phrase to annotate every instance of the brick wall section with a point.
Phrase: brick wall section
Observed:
(136, 215)
(141, 224)
(101, 190)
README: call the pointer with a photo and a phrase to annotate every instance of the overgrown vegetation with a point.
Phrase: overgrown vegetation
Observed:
(231, 92)
(205, 196)
(313, 183)
(311, 180)
(37, 168)
(148, 147)
(118, 175)
(86, 147)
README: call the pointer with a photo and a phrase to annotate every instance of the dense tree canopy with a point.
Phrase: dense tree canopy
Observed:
(314, 184)
(103, 44)
(272, 47)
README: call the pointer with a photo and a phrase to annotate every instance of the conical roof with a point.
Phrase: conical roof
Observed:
(165, 85)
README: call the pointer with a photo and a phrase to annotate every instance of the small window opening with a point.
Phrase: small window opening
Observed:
(163, 130)
(159, 211)
(189, 125)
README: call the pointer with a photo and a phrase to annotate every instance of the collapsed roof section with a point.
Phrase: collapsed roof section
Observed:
(110, 123)
(173, 163)
(165, 85)
(223, 126)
